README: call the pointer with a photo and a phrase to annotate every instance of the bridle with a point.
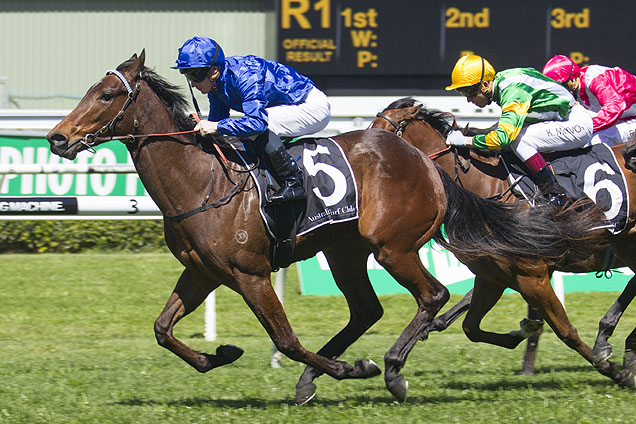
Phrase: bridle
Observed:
(93, 139)
(399, 128)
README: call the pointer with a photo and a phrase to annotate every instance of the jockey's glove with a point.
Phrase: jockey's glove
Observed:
(456, 138)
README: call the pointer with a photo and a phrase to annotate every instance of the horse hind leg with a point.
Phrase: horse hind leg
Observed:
(485, 295)
(190, 291)
(442, 322)
(349, 268)
(628, 374)
(532, 345)
(430, 296)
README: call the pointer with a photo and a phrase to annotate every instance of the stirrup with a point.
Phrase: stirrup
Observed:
(559, 199)
(287, 193)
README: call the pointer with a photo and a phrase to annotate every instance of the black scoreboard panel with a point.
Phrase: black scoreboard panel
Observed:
(406, 44)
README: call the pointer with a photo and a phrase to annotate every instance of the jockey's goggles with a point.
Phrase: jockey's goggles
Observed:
(470, 91)
(195, 74)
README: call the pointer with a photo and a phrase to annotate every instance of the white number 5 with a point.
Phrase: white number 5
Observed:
(340, 181)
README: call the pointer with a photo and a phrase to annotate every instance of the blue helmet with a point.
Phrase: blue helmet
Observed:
(200, 52)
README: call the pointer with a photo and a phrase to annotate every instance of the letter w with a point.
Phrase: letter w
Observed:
(361, 38)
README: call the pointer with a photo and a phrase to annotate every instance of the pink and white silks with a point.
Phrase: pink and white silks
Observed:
(610, 93)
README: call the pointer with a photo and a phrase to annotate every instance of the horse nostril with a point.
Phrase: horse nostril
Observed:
(57, 139)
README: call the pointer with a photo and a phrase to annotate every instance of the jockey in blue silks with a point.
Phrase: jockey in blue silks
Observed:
(276, 102)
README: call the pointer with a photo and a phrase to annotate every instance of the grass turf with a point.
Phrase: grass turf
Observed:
(77, 346)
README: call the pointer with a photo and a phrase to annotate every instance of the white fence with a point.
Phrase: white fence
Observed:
(99, 207)
(347, 114)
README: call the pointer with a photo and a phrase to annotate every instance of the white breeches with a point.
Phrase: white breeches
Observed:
(304, 118)
(551, 136)
(618, 133)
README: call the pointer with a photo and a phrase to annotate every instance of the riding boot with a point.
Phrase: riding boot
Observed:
(552, 191)
(291, 177)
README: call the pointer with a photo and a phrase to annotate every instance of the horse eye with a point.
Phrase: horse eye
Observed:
(106, 97)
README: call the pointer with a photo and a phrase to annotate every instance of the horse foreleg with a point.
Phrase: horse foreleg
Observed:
(602, 348)
(190, 291)
(542, 297)
(349, 269)
(430, 295)
(486, 294)
(442, 322)
(258, 293)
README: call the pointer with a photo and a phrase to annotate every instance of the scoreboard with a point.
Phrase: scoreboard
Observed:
(407, 42)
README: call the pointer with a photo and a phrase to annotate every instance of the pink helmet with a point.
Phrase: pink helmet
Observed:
(561, 69)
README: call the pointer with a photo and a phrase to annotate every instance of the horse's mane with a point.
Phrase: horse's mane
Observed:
(435, 118)
(169, 95)
(175, 103)
(438, 120)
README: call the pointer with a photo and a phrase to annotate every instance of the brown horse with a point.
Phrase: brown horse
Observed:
(482, 173)
(403, 198)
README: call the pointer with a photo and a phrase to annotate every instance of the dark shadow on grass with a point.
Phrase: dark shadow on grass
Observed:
(537, 371)
(564, 368)
(252, 402)
(520, 383)
(204, 401)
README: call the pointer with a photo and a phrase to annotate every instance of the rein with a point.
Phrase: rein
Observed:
(93, 139)
(399, 131)
(96, 138)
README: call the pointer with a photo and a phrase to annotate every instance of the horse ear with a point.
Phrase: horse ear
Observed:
(138, 64)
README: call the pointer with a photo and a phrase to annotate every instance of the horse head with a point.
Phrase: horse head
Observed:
(423, 128)
(103, 111)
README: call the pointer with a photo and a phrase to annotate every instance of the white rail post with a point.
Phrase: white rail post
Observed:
(210, 317)
(559, 288)
(279, 288)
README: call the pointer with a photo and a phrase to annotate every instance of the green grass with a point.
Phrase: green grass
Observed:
(77, 346)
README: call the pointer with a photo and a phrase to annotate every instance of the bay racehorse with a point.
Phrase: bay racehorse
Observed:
(482, 173)
(403, 200)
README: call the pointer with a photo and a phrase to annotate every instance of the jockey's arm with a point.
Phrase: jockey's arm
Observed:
(613, 104)
(254, 120)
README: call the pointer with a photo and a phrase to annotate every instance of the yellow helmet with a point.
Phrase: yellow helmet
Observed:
(470, 70)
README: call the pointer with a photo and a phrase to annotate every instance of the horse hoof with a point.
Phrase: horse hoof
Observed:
(398, 388)
(424, 335)
(627, 379)
(305, 393)
(530, 326)
(229, 353)
(368, 368)
(527, 327)
(628, 373)
(601, 353)
(526, 372)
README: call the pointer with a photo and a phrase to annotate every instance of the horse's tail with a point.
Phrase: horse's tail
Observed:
(476, 227)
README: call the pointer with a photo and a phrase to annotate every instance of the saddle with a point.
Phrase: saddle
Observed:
(591, 172)
(332, 193)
